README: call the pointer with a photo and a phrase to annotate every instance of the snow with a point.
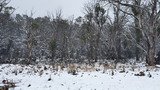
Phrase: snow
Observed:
(36, 78)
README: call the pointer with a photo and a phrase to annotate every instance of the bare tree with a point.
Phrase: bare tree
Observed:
(95, 15)
(30, 27)
(151, 24)
(4, 8)
(139, 10)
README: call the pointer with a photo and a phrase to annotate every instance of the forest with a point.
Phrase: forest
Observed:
(115, 30)
(114, 45)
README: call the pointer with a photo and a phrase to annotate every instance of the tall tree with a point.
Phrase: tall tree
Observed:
(96, 18)
(140, 9)
(151, 24)
(100, 19)
(29, 27)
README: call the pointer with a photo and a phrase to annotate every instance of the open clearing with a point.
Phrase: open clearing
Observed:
(43, 77)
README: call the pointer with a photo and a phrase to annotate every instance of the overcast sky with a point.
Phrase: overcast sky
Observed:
(44, 7)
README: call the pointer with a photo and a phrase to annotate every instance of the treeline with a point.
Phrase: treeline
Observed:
(130, 31)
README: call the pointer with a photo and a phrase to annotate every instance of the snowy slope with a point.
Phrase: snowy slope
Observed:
(36, 78)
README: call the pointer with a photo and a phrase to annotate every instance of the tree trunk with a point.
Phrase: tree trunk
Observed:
(151, 47)
(29, 56)
(151, 59)
(119, 57)
(97, 47)
(138, 37)
(152, 35)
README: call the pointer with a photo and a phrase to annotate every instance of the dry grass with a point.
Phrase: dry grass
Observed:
(73, 67)
(58, 66)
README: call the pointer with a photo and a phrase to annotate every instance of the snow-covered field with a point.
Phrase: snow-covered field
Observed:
(45, 78)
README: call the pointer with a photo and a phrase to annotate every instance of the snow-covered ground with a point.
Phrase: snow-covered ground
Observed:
(40, 78)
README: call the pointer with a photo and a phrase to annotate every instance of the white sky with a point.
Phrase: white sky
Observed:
(44, 7)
